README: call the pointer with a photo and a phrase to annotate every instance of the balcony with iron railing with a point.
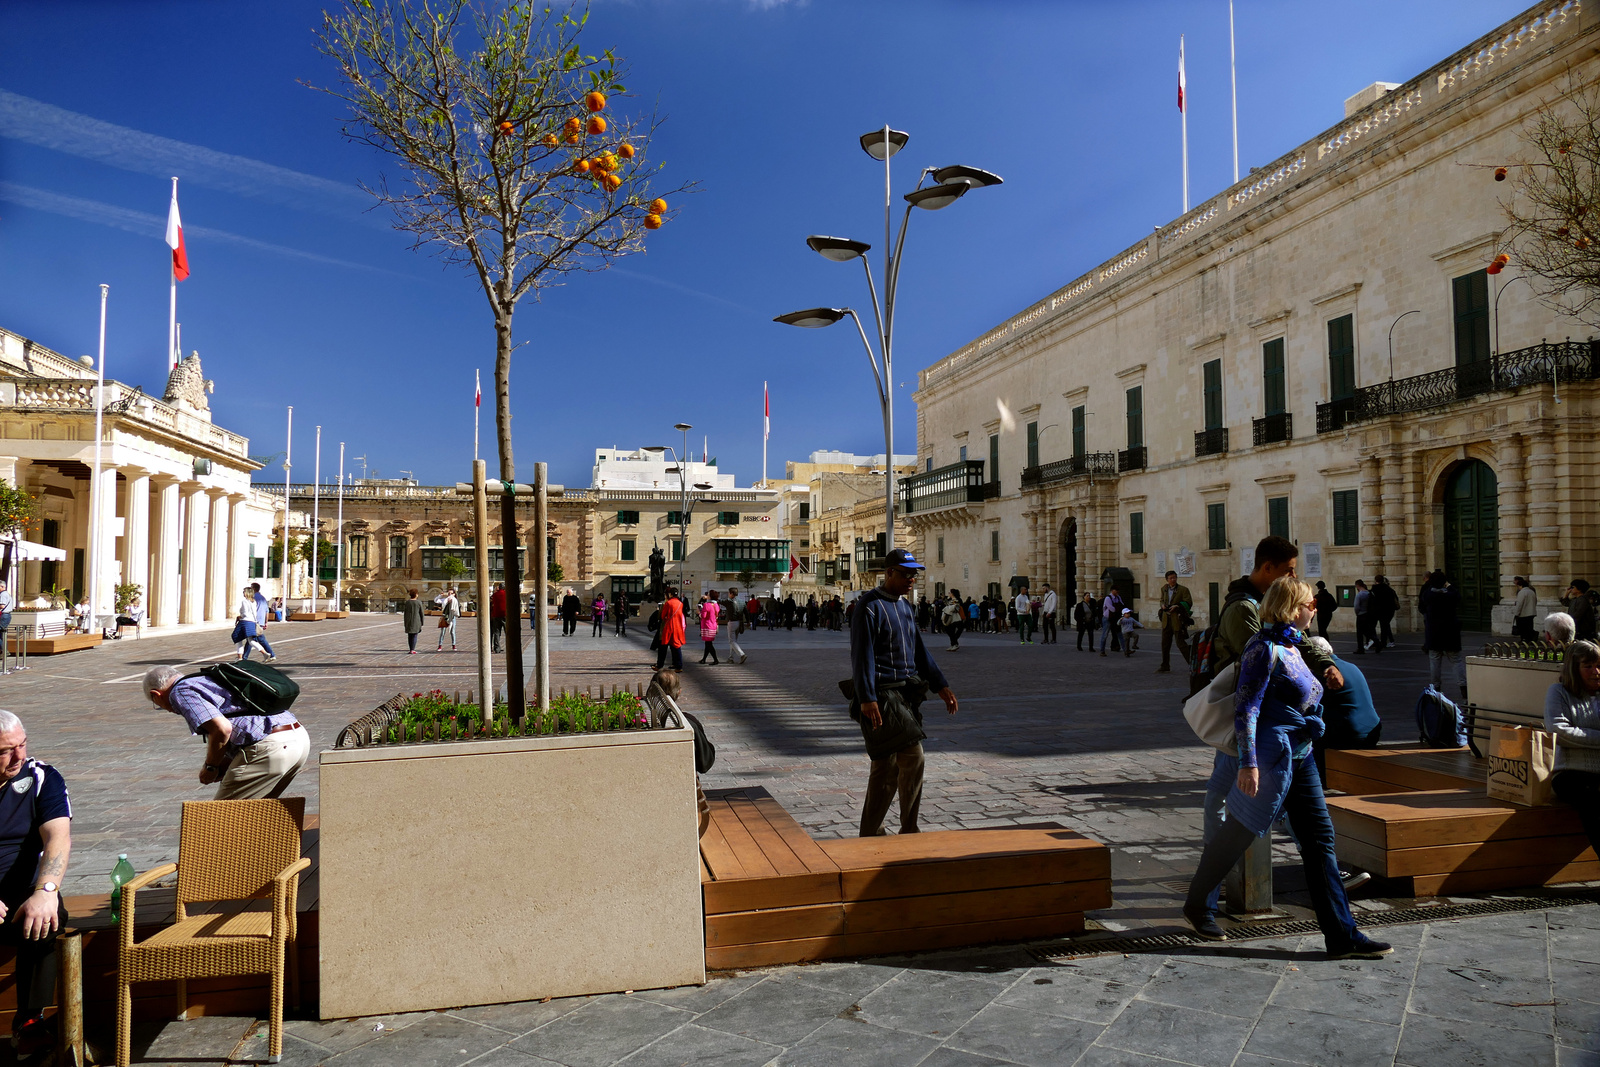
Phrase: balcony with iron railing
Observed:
(1085, 465)
(1211, 442)
(958, 484)
(1541, 364)
(1136, 458)
(1272, 429)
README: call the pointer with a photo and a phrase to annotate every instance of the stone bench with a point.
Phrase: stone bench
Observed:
(773, 895)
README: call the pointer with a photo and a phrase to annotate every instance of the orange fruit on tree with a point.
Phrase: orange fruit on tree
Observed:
(581, 166)
(574, 125)
(595, 101)
(548, 139)
(612, 181)
(606, 161)
(506, 127)
(597, 124)
(652, 221)
(658, 207)
(625, 150)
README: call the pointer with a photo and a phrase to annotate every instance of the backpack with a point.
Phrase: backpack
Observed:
(705, 753)
(1440, 723)
(1204, 656)
(261, 688)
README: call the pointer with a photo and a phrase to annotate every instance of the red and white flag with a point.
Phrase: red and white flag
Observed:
(477, 397)
(766, 412)
(180, 254)
(1183, 82)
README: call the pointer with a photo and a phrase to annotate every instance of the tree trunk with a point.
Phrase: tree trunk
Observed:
(515, 697)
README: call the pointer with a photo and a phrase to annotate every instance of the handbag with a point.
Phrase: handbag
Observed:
(1209, 712)
(1521, 765)
(444, 622)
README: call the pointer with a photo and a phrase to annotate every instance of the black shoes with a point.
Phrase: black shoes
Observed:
(1205, 926)
(1354, 879)
(1365, 949)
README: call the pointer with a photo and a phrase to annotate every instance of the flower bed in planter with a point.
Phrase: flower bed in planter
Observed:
(464, 865)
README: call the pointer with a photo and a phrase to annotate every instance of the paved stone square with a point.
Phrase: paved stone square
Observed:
(1044, 733)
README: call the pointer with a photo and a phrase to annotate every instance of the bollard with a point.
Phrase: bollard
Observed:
(70, 997)
(1248, 887)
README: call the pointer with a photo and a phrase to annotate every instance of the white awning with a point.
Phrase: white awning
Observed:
(33, 552)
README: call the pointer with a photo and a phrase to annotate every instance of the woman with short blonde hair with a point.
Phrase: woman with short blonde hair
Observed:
(1277, 716)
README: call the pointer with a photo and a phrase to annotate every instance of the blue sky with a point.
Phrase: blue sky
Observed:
(302, 295)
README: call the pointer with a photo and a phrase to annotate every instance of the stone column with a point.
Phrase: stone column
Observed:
(1372, 526)
(136, 532)
(1513, 517)
(1544, 530)
(238, 546)
(103, 584)
(197, 505)
(1035, 557)
(163, 602)
(218, 594)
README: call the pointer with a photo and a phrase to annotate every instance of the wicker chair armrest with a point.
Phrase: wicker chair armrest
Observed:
(284, 886)
(125, 903)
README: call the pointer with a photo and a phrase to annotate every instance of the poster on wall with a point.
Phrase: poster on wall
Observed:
(1161, 564)
(1247, 560)
(1311, 554)
(1183, 563)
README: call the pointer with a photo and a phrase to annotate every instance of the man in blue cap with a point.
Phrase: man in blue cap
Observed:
(892, 673)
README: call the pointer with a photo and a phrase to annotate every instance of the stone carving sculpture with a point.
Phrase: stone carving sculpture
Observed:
(187, 385)
(658, 573)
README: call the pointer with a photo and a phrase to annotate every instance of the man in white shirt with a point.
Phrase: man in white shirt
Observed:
(1048, 610)
(263, 610)
(1024, 606)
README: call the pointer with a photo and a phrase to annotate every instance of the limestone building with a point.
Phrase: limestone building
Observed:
(178, 515)
(1231, 374)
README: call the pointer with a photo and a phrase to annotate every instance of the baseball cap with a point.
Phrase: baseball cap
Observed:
(900, 557)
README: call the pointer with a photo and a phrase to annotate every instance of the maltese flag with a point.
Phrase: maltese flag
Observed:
(766, 413)
(180, 255)
(477, 395)
(1183, 82)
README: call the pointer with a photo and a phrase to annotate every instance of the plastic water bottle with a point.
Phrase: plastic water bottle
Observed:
(121, 874)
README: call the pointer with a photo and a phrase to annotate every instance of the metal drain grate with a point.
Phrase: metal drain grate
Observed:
(1263, 931)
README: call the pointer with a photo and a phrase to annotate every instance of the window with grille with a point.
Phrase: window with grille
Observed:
(1275, 396)
(1212, 372)
(356, 550)
(1342, 358)
(1136, 532)
(1346, 517)
(1216, 526)
(435, 541)
(1278, 516)
(397, 552)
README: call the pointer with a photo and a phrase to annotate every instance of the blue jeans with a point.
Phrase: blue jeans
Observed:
(261, 639)
(1109, 632)
(1313, 832)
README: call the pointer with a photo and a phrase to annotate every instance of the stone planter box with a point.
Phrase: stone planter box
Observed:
(488, 871)
(37, 623)
(1510, 684)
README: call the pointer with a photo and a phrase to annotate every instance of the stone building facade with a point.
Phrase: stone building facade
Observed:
(1317, 351)
(179, 516)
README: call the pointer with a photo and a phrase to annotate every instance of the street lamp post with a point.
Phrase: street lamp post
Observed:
(951, 183)
(680, 467)
(1392, 325)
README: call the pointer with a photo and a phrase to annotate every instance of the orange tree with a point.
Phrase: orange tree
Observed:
(508, 164)
(1555, 210)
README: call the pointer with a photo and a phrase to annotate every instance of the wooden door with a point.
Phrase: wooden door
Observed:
(1472, 541)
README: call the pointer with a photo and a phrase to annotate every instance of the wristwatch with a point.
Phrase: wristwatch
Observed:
(48, 887)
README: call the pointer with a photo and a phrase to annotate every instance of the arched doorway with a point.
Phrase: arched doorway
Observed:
(1472, 540)
(1069, 565)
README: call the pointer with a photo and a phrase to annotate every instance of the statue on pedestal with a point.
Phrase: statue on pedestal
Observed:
(658, 574)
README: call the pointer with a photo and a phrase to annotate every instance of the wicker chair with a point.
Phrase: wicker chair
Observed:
(233, 851)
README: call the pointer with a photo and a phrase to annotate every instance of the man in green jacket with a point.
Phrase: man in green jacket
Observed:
(1177, 615)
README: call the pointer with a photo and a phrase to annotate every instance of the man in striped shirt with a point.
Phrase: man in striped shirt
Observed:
(892, 670)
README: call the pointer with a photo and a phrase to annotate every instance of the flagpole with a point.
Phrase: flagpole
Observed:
(477, 407)
(1233, 78)
(283, 564)
(96, 495)
(316, 522)
(338, 559)
(1184, 112)
(172, 310)
(766, 428)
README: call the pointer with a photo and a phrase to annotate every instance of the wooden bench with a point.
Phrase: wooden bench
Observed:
(1461, 840)
(773, 895)
(1403, 768)
(49, 646)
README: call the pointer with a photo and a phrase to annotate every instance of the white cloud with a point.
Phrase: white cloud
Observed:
(35, 122)
(152, 226)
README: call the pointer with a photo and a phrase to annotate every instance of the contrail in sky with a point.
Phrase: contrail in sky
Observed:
(25, 119)
(147, 225)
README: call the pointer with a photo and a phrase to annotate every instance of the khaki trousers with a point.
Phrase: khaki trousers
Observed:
(898, 773)
(265, 768)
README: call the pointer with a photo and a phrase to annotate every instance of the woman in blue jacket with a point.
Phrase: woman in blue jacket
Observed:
(1276, 718)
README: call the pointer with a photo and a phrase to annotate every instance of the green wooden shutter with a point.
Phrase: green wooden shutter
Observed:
(1278, 516)
(994, 458)
(1213, 394)
(1079, 443)
(1136, 532)
(1341, 358)
(1136, 417)
(1216, 526)
(1033, 444)
(1275, 394)
(1346, 517)
(1471, 292)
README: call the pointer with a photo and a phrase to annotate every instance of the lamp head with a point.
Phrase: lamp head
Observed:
(838, 249)
(681, 426)
(703, 486)
(972, 176)
(673, 470)
(880, 148)
(812, 318)
(655, 448)
(935, 197)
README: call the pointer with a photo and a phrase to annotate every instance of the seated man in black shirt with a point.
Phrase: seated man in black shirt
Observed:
(35, 839)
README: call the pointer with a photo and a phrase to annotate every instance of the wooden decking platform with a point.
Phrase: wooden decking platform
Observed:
(774, 895)
(1424, 814)
(49, 646)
